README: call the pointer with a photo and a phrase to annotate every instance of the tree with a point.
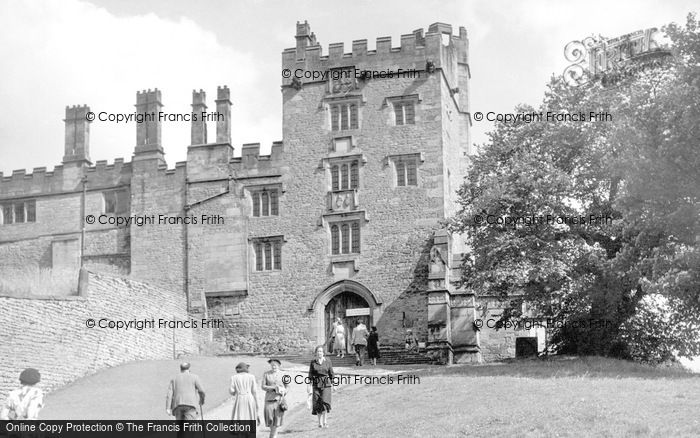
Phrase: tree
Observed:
(639, 175)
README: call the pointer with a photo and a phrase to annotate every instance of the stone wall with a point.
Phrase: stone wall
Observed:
(498, 342)
(50, 334)
(158, 250)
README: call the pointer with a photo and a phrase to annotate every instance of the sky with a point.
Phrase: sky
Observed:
(100, 53)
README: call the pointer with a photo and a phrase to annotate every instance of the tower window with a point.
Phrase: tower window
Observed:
(345, 176)
(7, 216)
(345, 238)
(343, 116)
(265, 202)
(406, 167)
(406, 172)
(268, 254)
(115, 201)
(18, 212)
(405, 112)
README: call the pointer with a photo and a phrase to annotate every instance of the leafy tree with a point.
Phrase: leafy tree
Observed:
(642, 170)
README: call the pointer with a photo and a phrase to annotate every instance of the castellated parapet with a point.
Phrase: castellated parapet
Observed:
(437, 50)
(43, 182)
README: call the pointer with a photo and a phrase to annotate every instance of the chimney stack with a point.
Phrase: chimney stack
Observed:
(77, 138)
(148, 139)
(199, 126)
(305, 38)
(223, 122)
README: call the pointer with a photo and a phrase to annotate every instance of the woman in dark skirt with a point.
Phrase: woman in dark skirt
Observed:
(321, 378)
(373, 346)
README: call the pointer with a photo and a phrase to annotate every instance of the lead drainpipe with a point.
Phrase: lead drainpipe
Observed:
(82, 221)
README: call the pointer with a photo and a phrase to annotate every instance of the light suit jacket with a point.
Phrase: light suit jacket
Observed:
(184, 390)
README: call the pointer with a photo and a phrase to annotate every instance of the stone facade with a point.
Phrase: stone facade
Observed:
(365, 175)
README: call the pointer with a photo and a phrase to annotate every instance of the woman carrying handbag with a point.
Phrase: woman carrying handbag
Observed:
(275, 391)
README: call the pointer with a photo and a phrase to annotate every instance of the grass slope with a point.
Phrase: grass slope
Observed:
(579, 397)
(531, 398)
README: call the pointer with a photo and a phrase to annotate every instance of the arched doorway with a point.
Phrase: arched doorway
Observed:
(348, 299)
(351, 308)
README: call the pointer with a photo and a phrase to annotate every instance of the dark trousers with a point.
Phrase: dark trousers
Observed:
(185, 414)
(359, 353)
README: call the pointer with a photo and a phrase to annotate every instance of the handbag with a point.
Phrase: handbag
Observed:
(283, 404)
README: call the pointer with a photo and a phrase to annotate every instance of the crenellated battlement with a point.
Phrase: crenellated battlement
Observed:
(179, 171)
(439, 46)
(104, 166)
(40, 181)
(251, 162)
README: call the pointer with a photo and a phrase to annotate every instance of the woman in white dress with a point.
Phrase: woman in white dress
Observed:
(245, 396)
(339, 344)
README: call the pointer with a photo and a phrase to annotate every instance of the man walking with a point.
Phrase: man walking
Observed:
(359, 341)
(185, 393)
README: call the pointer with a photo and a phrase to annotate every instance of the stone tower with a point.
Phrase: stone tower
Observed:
(376, 143)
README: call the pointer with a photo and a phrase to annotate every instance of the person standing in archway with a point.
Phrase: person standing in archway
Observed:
(339, 343)
(373, 346)
(359, 341)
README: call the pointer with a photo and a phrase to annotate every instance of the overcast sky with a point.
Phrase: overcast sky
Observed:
(67, 52)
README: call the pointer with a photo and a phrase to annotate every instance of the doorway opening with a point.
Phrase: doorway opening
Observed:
(351, 308)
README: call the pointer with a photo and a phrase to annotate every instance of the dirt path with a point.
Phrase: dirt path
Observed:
(298, 421)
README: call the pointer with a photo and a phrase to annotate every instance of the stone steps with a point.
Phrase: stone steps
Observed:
(388, 355)
(400, 356)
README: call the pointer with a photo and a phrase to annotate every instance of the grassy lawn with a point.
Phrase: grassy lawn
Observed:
(579, 397)
(530, 398)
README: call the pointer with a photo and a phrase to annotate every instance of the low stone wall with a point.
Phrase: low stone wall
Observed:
(52, 333)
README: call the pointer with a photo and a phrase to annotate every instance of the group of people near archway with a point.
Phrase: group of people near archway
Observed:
(360, 340)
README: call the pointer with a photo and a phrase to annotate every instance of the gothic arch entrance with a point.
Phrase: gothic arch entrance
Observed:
(347, 299)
